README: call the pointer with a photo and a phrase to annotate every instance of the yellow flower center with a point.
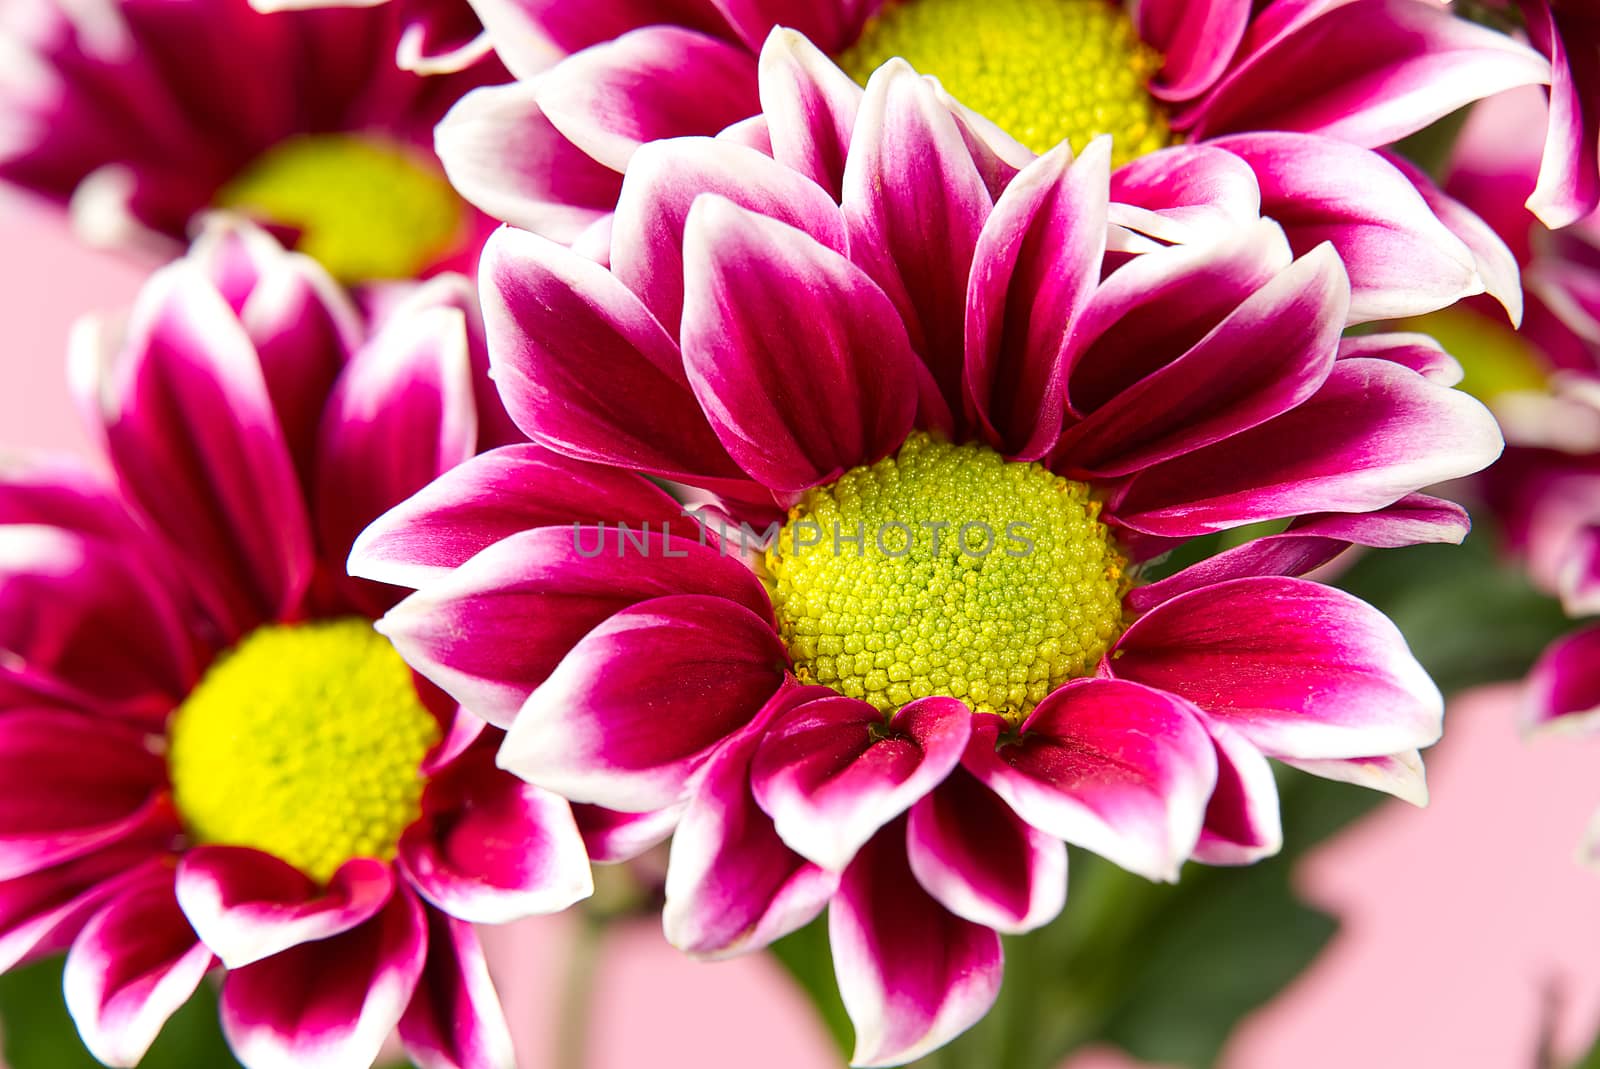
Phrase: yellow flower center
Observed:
(305, 741)
(947, 569)
(1046, 71)
(364, 208)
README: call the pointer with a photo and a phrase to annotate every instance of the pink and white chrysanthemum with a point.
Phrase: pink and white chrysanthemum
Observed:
(207, 753)
(1274, 98)
(972, 413)
(143, 114)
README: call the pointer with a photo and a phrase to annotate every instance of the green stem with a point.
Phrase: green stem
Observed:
(577, 995)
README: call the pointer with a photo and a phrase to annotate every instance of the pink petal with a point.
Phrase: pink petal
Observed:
(1193, 191)
(1242, 820)
(71, 784)
(810, 107)
(1419, 352)
(494, 496)
(1195, 40)
(1037, 262)
(1569, 173)
(190, 427)
(913, 976)
(332, 1003)
(134, 964)
(1117, 768)
(503, 155)
(585, 369)
(970, 851)
(831, 772)
(1368, 72)
(799, 361)
(491, 849)
(647, 85)
(610, 836)
(732, 883)
(455, 1020)
(644, 699)
(915, 204)
(247, 905)
(497, 627)
(531, 35)
(1374, 433)
(1398, 774)
(832, 24)
(1563, 690)
(1299, 669)
(43, 912)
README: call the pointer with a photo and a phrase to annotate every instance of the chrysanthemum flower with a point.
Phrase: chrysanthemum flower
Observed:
(975, 415)
(1285, 88)
(141, 114)
(206, 751)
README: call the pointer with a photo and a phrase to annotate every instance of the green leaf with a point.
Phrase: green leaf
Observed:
(39, 1034)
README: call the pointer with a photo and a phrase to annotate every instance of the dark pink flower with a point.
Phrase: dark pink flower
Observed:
(142, 114)
(206, 752)
(978, 343)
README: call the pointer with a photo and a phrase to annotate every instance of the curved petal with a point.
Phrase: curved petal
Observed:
(1563, 690)
(831, 772)
(247, 905)
(1186, 193)
(1569, 173)
(332, 1003)
(833, 24)
(1400, 774)
(732, 883)
(810, 107)
(644, 699)
(913, 976)
(1243, 824)
(971, 851)
(497, 627)
(531, 35)
(1299, 669)
(1419, 352)
(43, 912)
(799, 361)
(455, 1020)
(491, 849)
(611, 837)
(1196, 41)
(494, 496)
(1115, 767)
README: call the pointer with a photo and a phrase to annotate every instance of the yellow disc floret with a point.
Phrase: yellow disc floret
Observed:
(305, 741)
(1046, 71)
(948, 570)
(365, 209)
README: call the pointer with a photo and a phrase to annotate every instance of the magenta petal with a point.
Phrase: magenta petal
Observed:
(610, 836)
(664, 182)
(832, 24)
(647, 85)
(1203, 191)
(831, 772)
(191, 429)
(1117, 768)
(585, 368)
(1366, 71)
(1563, 690)
(531, 35)
(1268, 355)
(497, 627)
(502, 154)
(248, 905)
(490, 848)
(1243, 824)
(982, 862)
(1037, 261)
(799, 361)
(913, 976)
(134, 964)
(43, 912)
(1374, 433)
(70, 784)
(455, 1020)
(1398, 774)
(496, 495)
(1419, 352)
(1310, 543)
(915, 203)
(332, 1003)
(644, 699)
(1299, 669)
(732, 883)
(810, 107)
(1195, 40)
(1569, 173)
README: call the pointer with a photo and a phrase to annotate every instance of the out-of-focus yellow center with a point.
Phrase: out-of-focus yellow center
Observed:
(947, 570)
(1494, 358)
(366, 209)
(1046, 71)
(304, 741)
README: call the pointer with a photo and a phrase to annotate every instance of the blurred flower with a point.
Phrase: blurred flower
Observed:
(1568, 32)
(144, 113)
(437, 36)
(206, 751)
(973, 414)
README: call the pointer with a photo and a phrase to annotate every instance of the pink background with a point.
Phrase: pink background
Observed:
(1467, 925)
